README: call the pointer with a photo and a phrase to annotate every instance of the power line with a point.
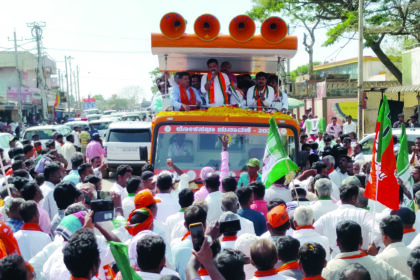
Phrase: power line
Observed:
(100, 51)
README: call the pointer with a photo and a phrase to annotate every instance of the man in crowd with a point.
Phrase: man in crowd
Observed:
(278, 190)
(408, 218)
(358, 153)
(84, 138)
(333, 128)
(184, 97)
(260, 96)
(52, 174)
(132, 187)
(214, 199)
(94, 148)
(171, 206)
(312, 260)
(252, 175)
(30, 238)
(68, 150)
(349, 125)
(324, 204)
(245, 196)
(280, 97)
(340, 173)
(287, 251)
(215, 84)
(400, 121)
(277, 222)
(31, 191)
(73, 175)
(123, 173)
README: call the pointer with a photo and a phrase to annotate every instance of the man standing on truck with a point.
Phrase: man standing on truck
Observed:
(260, 96)
(215, 84)
(184, 97)
(281, 100)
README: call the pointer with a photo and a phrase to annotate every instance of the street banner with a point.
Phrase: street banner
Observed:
(382, 185)
(276, 161)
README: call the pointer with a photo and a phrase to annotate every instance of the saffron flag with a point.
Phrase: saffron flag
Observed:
(57, 99)
(382, 185)
(276, 162)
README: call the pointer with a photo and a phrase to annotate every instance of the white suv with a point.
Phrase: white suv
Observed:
(127, 143)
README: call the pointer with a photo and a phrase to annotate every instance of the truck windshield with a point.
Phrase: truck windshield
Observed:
(196, 146)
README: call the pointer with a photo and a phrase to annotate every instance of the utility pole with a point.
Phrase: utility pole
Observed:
(78, 88)
(19, 76)
(67, 87)
(71, 80)
(36, 29)
(360, 75)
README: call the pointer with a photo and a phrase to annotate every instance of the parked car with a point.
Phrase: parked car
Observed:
(82, 124)
(45, 132)
(102, 125)
(127, 143)
(367, 141)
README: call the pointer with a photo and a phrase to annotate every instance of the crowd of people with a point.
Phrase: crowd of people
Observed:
(219, 87)
(317, 225)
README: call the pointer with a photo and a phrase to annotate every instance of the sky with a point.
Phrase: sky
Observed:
(110, 40)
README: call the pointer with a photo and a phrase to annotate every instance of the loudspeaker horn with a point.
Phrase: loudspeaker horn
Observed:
(242, 28)
(172, 26)
(206, 27)
(274, 30)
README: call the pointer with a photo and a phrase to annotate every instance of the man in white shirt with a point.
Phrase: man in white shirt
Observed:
(228, 238)
(215, 84)
(123, 173)
(349, 126)
(132, 187)
(169, 205)
(185, 200)
(281, 100)
(349, 240)
(326, 225)
(358, 153)
(408, 218)
(230, 203)
(260, 96)
(340, 173)
(76, 134)
(52, 175)
(214, 199)
(68, 150)
(151, 257)
(324, 204)
(30, 237)
(181, 248)
(278, 191)
(333, 128)
(395, 253)
(59, 142)
(304, 231)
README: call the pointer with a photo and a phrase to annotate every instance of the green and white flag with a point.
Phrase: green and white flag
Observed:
(276, 161)
(313, 126)
(403, 165)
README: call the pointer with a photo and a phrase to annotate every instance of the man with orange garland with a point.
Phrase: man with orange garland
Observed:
(184, 97)
(260, 96)
(215, 85)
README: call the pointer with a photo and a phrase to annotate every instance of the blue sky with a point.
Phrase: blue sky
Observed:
(110, 40)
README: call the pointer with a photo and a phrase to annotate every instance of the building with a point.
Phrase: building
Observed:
(30, 93)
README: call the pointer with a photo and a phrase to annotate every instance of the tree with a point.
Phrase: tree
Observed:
(301, 70)
(154, 75)
(298, 13)
(383, 19)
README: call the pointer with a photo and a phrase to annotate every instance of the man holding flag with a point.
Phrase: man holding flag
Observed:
(382, 185)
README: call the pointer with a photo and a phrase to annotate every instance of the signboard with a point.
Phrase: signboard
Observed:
(220, 129)
(340, 108)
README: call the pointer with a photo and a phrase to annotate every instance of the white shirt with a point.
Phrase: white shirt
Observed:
(377, 269)
(218, 94)
(326, 225)
(396, 255)
(58, 147)
(246, 226)
(277, 276)
(409, 237)
(269, 97)
(347, 128)
(68, 151)
(310, 235)
(116, 188)
(228, 244)
(359, 157)
(214, 203)
(157, 276)
(181, 254)
(128, 205)
(415, 242)
(31, 242)
(337, 178)
(167, 207)
(171, 222)
(55, 268)
(76, 138)
(321, 207)
(48, 202)
(41, 257)
(275, 192)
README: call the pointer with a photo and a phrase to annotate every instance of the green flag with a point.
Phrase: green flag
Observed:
(322, 125)
(120, 253)
(404, 168)
(276, 162)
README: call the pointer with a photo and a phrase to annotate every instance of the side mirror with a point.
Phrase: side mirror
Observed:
(143, 153)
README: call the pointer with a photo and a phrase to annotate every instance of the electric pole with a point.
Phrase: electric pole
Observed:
(78, 88)
(71, 79)
(36, 29)
(19, 79)
(67, 87)
(360, 75)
